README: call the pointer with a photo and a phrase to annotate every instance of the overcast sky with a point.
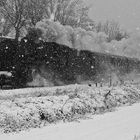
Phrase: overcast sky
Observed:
(126, 12)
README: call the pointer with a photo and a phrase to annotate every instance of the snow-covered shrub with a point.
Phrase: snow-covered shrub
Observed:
(31, 112)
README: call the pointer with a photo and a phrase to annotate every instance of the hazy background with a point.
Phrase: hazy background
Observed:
(126, 12)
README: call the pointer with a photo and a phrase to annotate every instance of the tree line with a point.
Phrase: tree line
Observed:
(17, 16)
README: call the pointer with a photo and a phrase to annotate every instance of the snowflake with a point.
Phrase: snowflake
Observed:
(25, 40)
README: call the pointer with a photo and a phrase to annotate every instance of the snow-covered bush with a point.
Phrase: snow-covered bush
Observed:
(17, 114)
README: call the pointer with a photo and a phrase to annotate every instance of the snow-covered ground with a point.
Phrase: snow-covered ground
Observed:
(122, 124)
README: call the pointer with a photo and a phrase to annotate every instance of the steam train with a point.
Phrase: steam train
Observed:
(27, 63)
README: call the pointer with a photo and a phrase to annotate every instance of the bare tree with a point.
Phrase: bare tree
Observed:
(36, 10)
(13, 11)
(69, 12)
(18, 13)
(112, 29)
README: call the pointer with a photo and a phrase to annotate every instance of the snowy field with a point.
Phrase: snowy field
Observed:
(123, 124)
(74, 112)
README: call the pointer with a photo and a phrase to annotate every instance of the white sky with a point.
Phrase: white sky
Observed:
(126, 12)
